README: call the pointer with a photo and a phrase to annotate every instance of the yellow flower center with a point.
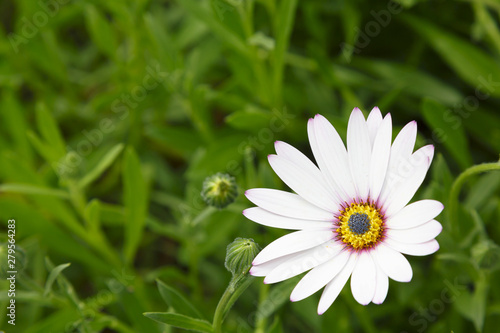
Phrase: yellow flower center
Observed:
(360, 225)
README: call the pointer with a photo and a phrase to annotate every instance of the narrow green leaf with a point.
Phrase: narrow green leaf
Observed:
(174, 299)
(44, 149)
(472, 64)
(448, 130)
(92, 215)
(103, 164)
(276, 326)
(101, 31)
(55, 322)
(181, 321)
(14, 119)
(473, 305)
(203, 13)
(136, 305)
(283, 27)
(33, 189)
(251, 119)
(483, 190)
(51, 235)
(52, 277)
(48, 128)
(135, 198)
(410, 80)
(175, 140)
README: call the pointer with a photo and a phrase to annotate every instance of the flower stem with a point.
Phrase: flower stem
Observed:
(457, 186)
(260, 325)
(236, 287)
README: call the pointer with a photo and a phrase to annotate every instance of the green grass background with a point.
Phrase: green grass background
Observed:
(112, 113)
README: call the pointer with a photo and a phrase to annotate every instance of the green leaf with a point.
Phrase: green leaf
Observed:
(33, 189)
(92, 215)
(277, 296)
(175, 140)
(55, 322)
(52, 277)
(174, 299)
(208, 17)
(101, 31)
(181, 321)
(410, 80)
(51, 235)
(472, 64)
(276, 326)
(283, 27)
(251, 119)
(483, 190)
(44, 149)
(135, 307)
(448, 130)
(135, 198)
(14, 119)
(473, 306)
(103, 164)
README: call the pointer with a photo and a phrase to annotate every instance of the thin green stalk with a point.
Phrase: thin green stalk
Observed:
(194, 272)
(457, 186)
(260, 326)
(236, 287)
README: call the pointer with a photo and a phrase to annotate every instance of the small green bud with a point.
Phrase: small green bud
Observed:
(219, 190)
(240, 254)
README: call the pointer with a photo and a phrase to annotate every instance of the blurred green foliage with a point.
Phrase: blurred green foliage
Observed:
(112, 113)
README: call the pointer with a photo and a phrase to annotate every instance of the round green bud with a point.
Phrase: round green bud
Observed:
(240, 254)
(219, 190)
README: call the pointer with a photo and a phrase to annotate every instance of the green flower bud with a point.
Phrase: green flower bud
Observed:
(240, 254)
(219, 190)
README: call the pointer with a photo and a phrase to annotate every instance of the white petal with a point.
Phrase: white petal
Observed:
(292, 243)
(393, 263)
(269, 219)
(415, 214)
(359, 152)
(420, 249)
(334, 287)
(286, 204)
(363, 279)
(304, 261)
(420, 234)
(319, 276)
(382, 286)
(331, 155)
(373, 122)
(380, 157)
(267, 267)
(401, 150)
(309, 184)
(412, 178)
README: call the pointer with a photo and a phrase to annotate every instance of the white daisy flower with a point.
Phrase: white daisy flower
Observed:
(351, 213)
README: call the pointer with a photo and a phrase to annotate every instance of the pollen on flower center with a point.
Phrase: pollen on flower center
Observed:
(359, 223)
(360, 226)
